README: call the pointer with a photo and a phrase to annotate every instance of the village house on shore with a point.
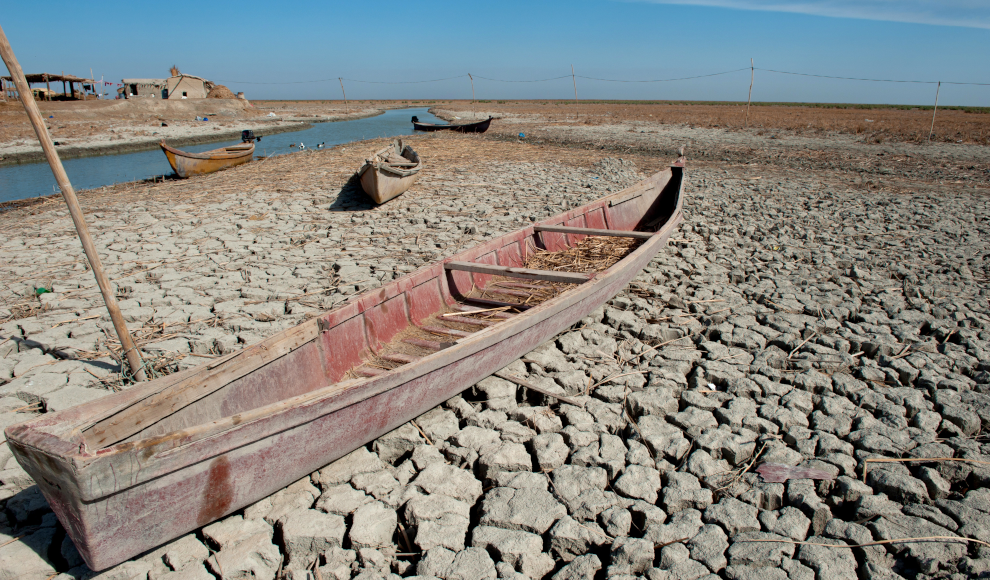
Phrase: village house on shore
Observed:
(177, 86)
(181, 86)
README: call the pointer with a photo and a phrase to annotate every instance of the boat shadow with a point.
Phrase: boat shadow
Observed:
(32, 526)
(351, 197)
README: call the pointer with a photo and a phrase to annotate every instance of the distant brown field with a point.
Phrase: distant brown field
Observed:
(876, 125)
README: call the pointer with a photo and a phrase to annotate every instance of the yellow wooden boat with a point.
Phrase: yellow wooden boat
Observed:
(188, 164)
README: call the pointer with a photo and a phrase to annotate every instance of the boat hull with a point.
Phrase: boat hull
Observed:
(120, 495)
(382, 186)
(383, 183)
(479, 127)
(186, 165)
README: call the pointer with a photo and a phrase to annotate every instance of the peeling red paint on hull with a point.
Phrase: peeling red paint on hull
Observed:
(133, 470)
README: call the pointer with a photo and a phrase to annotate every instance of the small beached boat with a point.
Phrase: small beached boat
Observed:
(140, 467)
(188, 164)
(479, 127)
(390, 172)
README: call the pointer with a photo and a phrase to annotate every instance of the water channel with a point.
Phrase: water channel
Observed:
(35, 179)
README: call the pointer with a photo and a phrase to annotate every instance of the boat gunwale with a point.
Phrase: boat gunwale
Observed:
(164, 448)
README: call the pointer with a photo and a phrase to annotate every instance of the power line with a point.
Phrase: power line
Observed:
(870, 80)
(534, 81)
(663, 80)
(609, 80)
(278, 83)
(405, 82)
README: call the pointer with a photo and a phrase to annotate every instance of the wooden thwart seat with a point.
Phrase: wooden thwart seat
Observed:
(594, 232)
(524, 273)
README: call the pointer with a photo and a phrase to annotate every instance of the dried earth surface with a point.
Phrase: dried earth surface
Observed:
(821, 306)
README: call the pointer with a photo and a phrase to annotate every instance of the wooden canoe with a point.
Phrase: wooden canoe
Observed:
(390, 172)
(479, 127)
(188, 164)
(140, 467)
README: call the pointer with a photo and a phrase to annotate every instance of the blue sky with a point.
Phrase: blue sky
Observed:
(248, 43)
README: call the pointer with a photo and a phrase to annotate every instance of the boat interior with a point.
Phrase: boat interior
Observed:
(402, 323)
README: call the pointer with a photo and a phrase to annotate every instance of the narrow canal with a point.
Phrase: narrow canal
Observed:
(35, 179)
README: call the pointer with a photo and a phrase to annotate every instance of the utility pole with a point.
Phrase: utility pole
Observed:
(27, 99)
(752, 73)
(574, 80)
(344, 93)
(472, 94)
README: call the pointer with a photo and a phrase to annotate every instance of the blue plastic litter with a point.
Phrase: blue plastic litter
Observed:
(51, 116)
(205, 119)
(522, 135)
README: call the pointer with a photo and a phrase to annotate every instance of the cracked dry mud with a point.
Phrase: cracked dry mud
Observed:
(797, 319)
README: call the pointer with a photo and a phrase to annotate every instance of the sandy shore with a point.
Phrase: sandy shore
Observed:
(822, 304)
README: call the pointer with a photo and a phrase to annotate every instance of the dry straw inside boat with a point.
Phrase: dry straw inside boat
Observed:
(590, 255)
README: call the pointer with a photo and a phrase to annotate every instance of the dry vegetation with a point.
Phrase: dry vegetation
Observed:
(875, 125)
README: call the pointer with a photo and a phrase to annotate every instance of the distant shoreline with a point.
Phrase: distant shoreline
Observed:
(75, 152)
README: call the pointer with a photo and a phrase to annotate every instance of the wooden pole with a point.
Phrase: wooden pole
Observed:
(574, 80)
(342, 91)
(935, 110)
(752, 73)
(130, 351)
(472, 93)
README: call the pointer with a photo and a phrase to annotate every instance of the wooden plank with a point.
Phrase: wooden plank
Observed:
(468, 320)
(447, 331)
(369, 371)
(631, 193)
(541, 390)
(156, 407)
(524, 273)
(427, 344)
(594, 232)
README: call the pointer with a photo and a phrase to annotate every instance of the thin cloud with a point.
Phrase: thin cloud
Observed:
(964, 13)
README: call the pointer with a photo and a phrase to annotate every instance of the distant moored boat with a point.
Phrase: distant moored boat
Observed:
(479, 127)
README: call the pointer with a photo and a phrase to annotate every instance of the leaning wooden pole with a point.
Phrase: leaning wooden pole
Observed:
(935, 110)
(346, 108)
(24, 91)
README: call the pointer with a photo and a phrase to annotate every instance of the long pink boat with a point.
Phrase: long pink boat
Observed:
(137, 468)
